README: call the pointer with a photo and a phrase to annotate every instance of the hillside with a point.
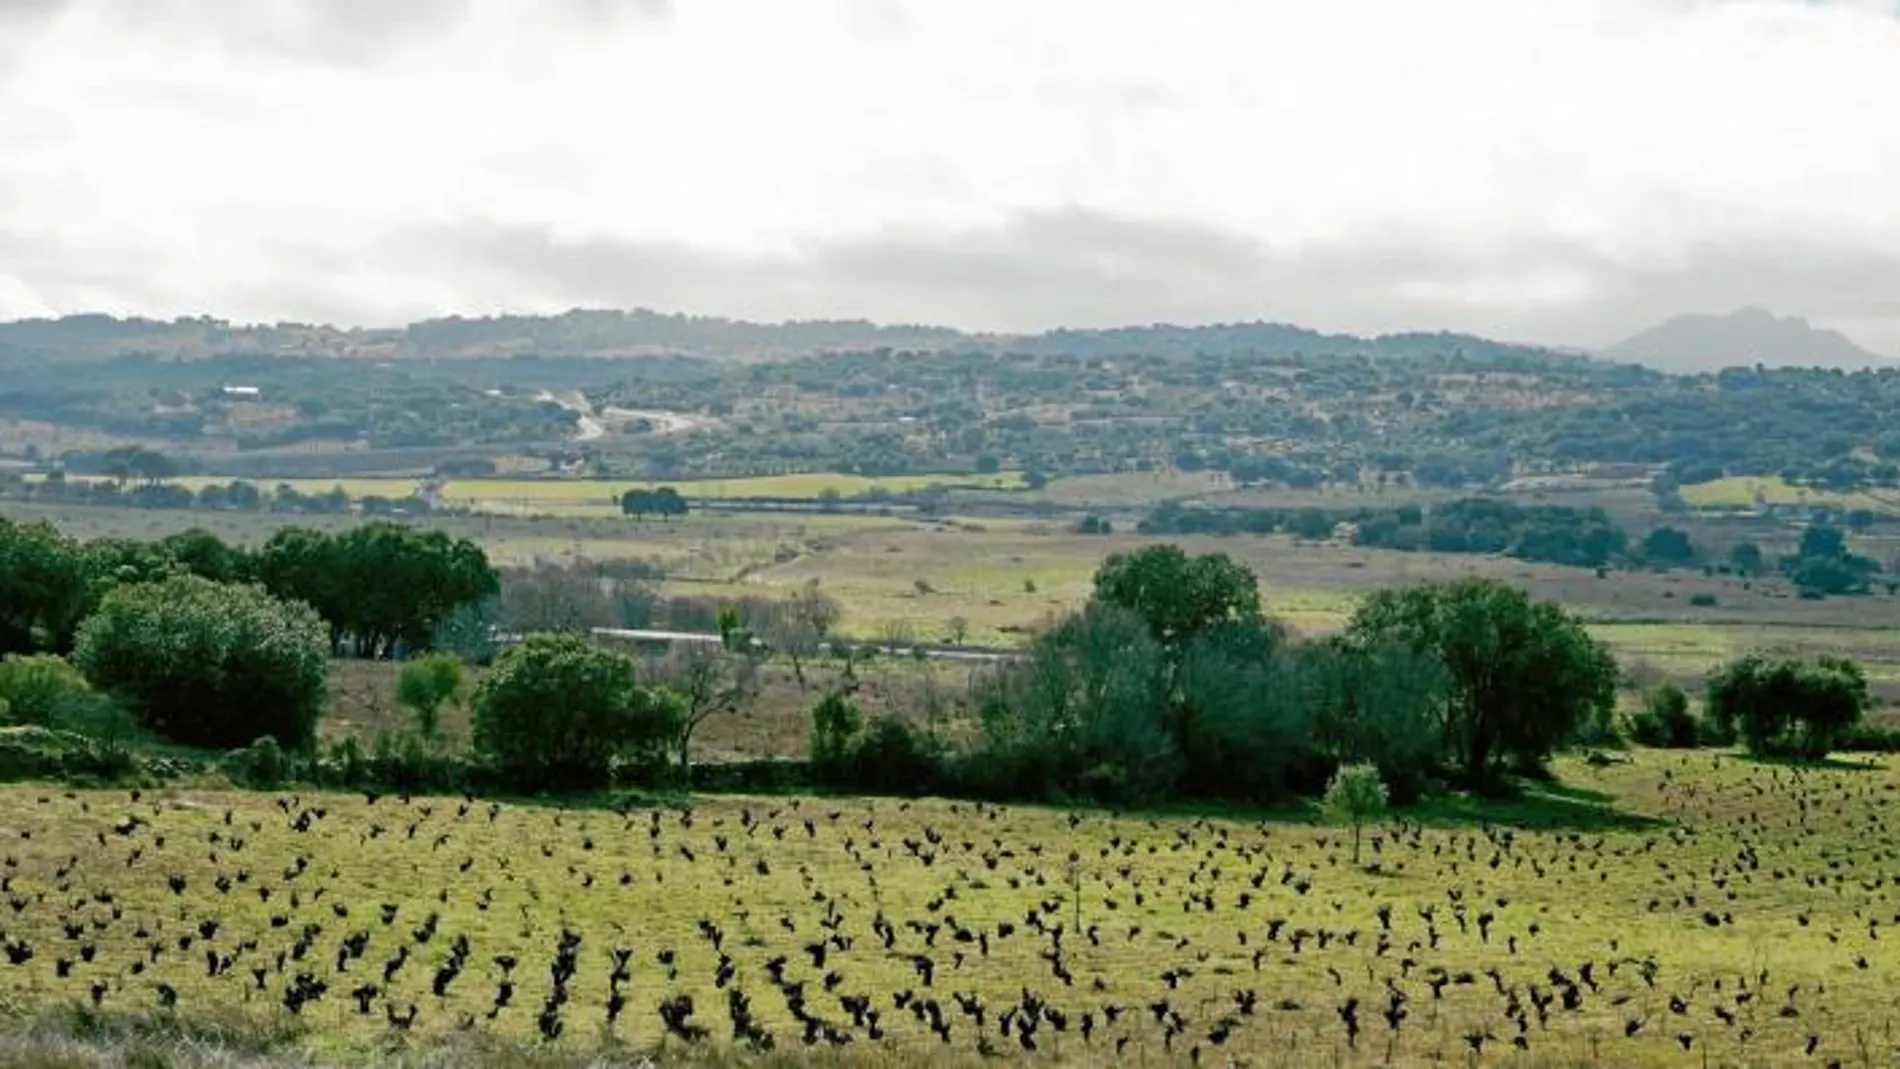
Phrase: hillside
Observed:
(642, 332)
(1694, 343)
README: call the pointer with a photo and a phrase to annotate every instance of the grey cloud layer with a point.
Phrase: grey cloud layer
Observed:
(1137, 259)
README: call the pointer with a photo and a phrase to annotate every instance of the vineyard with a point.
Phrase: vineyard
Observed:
(1657, 911)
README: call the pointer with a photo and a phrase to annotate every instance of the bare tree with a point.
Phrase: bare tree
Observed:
(897, 635)
(708, 681)
(554, 598)
(957, 629)
(801, 625)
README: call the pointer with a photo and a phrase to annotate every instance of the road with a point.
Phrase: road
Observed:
(589, 426)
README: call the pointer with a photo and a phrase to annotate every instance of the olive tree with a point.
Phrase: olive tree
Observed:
(209, 664)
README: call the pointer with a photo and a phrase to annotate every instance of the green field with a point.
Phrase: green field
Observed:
(1745, 491)
(1694, 902)
(605, 493)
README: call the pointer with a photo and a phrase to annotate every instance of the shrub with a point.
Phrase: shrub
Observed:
(41, 689)
(890, 756)
(836, 725)
(558, 712)
(263, 763)
(209, 664)
(1666, 721)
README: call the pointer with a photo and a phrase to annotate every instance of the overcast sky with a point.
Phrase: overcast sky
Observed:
(1561, 171)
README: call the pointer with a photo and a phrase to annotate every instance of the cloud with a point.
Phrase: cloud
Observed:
(1563, 171)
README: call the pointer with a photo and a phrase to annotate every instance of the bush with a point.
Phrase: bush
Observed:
(1666, 721)
(893, 757)
(209, 664)
(41, 689)
(263, 764)
(558, 712)
(836, 725)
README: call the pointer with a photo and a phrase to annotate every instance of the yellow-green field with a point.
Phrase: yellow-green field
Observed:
(565, 496)
(1647, 914)
(1745, 491)
(1002, 578)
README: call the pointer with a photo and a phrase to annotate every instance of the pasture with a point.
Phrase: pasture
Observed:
(1747, 491)
(1004, 577)
(1678, 908)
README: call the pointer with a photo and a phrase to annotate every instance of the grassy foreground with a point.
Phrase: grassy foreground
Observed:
(1643, 914)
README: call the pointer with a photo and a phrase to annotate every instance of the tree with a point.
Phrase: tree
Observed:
(707, 682)
(1746, 558)
(1787, 705)
(428, 683)
(1178, 596)
(208, 664)
(554, 598)
(800, 627)
(1081, 713)
(1356, 795)
(378, 584)
(46, 587)
(1523, 675)
(1668, 546)
(1375, 704)
(956, 629)
(664, 501)
(558, 712)
(202, 553)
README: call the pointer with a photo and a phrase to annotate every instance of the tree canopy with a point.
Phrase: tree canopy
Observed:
(1523, 674)
(208, 664)
(1177, 596)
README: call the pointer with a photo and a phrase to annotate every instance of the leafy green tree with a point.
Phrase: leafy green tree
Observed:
(378, 584)
(1356, 795)
(202, 553)
(1178, 596)
(428, 683)
(1668, 546)
(1523, 674)
(557, 712)
(208, 664)
(1240, 725)
(1787, 705)
(1082, 713)
(46, 587)
(1379, 704)
(1746, 558)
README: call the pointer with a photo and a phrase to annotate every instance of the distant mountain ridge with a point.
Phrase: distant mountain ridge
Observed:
(1699, 342)
(642, 332)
